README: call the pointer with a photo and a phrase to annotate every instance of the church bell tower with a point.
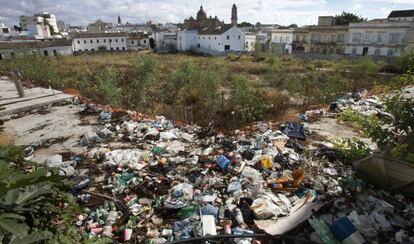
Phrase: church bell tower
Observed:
(234, 15)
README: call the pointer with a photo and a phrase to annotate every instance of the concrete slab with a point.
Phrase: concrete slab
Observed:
(61, 124)
(34, 98)
(30, 94)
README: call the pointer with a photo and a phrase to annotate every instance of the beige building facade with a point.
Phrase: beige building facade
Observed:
(324, 38)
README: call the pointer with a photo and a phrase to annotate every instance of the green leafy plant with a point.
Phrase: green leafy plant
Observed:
(30, 202)
(109, 90)
(393, 133)
(351, 150)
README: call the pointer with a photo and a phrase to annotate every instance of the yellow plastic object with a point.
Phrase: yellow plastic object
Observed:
(267, 162)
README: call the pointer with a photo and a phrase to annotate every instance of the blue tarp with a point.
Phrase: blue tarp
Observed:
(295, 130)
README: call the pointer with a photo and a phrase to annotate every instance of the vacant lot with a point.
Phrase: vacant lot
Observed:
(231, 90)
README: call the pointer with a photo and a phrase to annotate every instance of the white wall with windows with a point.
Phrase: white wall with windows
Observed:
(107, 43)
(250, 42)
(187, 40)
(283, 37)
(382, 37)
(231, 40)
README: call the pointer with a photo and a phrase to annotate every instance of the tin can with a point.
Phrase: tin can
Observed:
(127, 235)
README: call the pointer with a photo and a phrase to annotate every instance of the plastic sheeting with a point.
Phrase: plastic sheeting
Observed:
(387, 173)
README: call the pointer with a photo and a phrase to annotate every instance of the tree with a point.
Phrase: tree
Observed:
(246, 24)
(292, 26)
(345, 18)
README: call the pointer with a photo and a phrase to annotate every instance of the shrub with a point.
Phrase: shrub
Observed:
(350, 150)
(30, 202)
(108, 86)
(144, 70)
(393, 134)
(406, 62)
(245, 102)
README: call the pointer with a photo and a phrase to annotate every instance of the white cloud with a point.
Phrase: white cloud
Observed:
(266, 11)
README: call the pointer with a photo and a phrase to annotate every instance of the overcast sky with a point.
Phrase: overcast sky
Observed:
(284, 12)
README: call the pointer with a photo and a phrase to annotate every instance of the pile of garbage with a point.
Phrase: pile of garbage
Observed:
(156, 181)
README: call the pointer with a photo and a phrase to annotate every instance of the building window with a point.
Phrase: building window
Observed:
(91, 41)
(104, 40)
(247, 44)
(78, 42)
(92, 49)
(228, 37)
(354, 51)
(394, 38)
(341, 38)
(12, 54)
(116, 40)
(198, 45)
(54, 53)
(208, 46)
(1, 57)
(84, 41)
(380, 37)
(390, 52)
(204, 38)
(367, 37)
(117, 48)
(280, 39)
(209, 38)
(356, 37)
(86, 50)
(239, 37)
(97, 41)
(112, 48)
(145, 41)
(179, 38)
(377, 52)
(132, 42)
(122, 39)
(215, 38)
(45, 53)
(110, 40)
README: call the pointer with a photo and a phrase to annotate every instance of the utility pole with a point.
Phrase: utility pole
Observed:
(18, 83)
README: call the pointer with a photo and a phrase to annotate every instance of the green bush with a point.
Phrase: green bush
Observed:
(108, 86)
(405, 63)
(394, 134)
(30, 202)
(145, 72)
(246, 103)
(350, 150)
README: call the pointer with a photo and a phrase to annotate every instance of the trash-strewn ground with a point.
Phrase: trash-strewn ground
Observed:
(155, 180)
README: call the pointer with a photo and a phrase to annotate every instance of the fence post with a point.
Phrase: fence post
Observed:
(18, 83)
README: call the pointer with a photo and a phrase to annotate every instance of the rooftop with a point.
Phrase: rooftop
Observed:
(34, 44)
(401, 13)
(95, 35)
(215, 30)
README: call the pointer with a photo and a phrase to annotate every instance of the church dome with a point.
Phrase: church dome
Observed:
(201, 14)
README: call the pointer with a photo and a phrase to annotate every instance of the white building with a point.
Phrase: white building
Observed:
(216, 40)
(283, 38)
(187, 40)
(381, 37)
(250, 42)
(166, 41)
(44, 48)
(93, 42)
(212, 40)
(41, 25)
(4, 30)
(136, 42)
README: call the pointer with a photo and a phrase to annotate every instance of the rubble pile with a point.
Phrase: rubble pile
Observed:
(153, 180)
